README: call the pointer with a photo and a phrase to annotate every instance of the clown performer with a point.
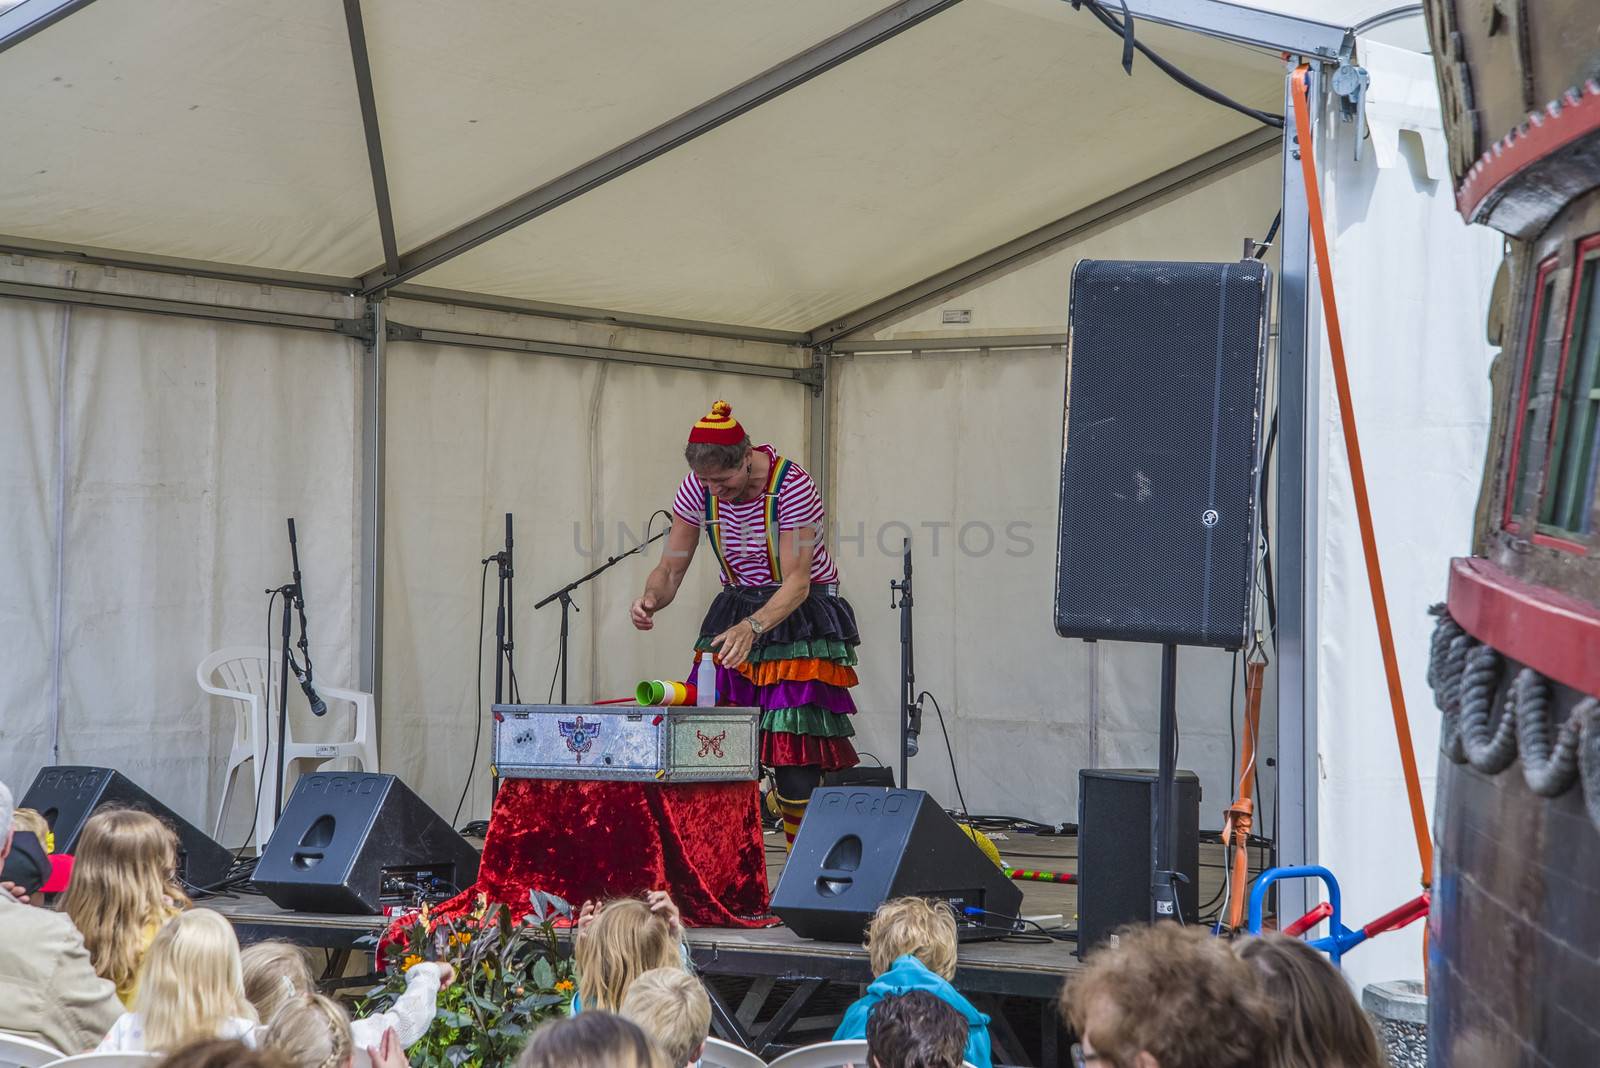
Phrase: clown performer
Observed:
(783, 638)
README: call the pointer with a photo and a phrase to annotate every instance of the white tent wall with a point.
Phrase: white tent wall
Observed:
(187, 443)
(28, 491)
(581, 452)
(973, 440)
(1413, 286)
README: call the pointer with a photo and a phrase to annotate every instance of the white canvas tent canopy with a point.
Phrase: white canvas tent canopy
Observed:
(401, 267)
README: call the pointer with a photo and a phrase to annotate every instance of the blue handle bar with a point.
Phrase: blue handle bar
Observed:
(1340, 939)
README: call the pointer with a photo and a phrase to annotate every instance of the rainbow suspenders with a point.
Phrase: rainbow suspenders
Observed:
(780, 471)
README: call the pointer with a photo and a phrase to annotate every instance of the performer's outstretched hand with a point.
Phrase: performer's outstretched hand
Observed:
(661, 902)
(733, 645)
(643, 611)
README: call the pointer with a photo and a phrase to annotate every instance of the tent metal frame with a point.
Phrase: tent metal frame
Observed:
(1295, 534)
(31, 16)
(362, 68)
(1298, 377)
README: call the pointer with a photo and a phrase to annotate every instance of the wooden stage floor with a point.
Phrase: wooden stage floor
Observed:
(1024, 967)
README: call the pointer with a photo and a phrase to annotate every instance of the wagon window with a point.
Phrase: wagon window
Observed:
(1566, 503)
(1533, 404)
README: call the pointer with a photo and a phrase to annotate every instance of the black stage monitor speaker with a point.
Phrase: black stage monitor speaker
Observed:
(1116, 814)
(68, 796)
(859, 846)
(353, 843)
(1158, 521)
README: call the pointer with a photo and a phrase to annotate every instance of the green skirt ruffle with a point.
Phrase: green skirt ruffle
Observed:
(808, 719)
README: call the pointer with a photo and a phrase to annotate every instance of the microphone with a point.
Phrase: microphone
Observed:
(319, 707)
(913, 728)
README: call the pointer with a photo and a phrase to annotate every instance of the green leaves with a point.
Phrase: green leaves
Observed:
(510, 976)
(544, 973)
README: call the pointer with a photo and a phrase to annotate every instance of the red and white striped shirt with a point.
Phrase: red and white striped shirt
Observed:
(743, 524)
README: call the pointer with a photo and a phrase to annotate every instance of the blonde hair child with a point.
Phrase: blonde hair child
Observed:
(191, 988)
(916, 926)
(123, 888)
(672, 1008)
(277, 974)
(619, 941)
(274, 974)
(27, 819)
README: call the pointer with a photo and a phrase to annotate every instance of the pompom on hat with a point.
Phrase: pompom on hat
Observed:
(717, 427)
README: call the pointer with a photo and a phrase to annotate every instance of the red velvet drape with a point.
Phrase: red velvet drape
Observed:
(591, 839)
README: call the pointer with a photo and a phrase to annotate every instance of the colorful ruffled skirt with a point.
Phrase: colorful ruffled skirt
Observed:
(799, 674)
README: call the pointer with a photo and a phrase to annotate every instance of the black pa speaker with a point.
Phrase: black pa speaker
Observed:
(67, 796)
(1158, 509)
(860, 846)
(1116, 855)
(353, 843)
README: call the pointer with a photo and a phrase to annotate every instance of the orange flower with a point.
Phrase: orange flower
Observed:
(564, 987)
(461, 938)
(411, 959)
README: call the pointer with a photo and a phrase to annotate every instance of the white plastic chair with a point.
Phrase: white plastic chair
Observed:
(826, 1055)
(720, 1054)
(108, 1060)
(247, 675)
(19, 1052)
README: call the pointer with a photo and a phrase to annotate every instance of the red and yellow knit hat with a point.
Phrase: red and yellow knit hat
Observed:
(718, 427)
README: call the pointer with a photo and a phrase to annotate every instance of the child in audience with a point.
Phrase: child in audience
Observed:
(911, 944)
(915, 1030)
(276, 973)
(222, 1053)
(28, 865)
(673, 1010)
(32, 821)
(191, 988)
(593, 1040)
(1323, 1025)
(619, 940)
(123, 889)
(313, 1031)
(1169, 996)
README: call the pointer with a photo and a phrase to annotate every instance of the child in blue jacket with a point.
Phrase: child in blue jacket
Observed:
(911, 943)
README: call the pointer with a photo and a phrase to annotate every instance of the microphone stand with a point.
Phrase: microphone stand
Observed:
(564, 595)
(294, 603)
(504, 636)
(910, 706)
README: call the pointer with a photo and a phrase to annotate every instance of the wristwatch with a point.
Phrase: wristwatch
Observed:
(755, 625)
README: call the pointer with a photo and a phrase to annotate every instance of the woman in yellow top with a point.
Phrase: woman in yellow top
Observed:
(124, 888)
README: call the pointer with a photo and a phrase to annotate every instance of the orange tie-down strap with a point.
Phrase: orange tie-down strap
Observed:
(1358, 477)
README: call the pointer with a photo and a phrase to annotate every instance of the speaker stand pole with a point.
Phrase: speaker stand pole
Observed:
(910, 708)
(1163, 881)
(289, 593)
(504, 641)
